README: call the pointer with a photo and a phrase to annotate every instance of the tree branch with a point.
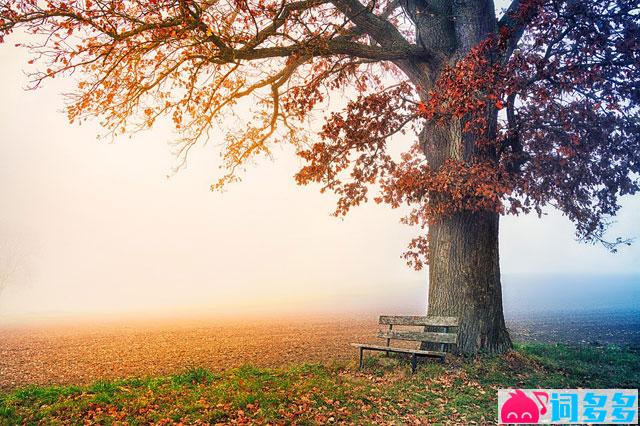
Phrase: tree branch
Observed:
(381, 30)
(519, 14)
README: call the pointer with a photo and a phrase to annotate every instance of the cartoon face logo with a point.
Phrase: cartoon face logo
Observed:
(519, 408)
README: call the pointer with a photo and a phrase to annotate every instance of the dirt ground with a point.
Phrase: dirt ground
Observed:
(133, 347)
(79, 354)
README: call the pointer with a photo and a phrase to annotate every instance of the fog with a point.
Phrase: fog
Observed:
(90, 227)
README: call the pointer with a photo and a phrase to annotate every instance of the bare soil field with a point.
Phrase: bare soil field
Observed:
(47, 354)
(73, 354)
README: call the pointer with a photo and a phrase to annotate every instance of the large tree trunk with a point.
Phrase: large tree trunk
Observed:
(464, 264)
(464, 269)
(464, 279)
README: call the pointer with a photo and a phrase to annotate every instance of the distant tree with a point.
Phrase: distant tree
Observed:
(537, 107)
(9, 265)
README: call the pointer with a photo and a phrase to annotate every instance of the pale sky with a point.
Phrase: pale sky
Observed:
(97, 227)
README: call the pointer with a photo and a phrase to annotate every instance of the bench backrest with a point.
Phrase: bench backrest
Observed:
(443, 336)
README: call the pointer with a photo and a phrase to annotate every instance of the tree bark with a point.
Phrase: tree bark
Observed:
(464, 266)
(464, 279)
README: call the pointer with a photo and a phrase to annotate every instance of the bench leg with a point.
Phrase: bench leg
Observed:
(414, 363)
(361, 361)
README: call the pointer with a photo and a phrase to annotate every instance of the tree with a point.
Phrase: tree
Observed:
(537, 107)
(7, 270)
(11, 264)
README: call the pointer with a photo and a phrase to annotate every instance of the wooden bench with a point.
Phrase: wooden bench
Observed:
(444, 338)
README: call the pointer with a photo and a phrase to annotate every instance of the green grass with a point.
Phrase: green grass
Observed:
(462, 391)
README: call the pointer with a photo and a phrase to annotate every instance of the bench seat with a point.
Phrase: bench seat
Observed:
(444, 339)
(399, 350)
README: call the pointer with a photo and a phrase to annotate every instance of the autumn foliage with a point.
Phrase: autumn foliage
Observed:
(549, 102)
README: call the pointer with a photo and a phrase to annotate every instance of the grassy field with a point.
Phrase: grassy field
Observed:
(461, 391)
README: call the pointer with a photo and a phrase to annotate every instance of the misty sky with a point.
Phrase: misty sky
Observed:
(98, 227)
